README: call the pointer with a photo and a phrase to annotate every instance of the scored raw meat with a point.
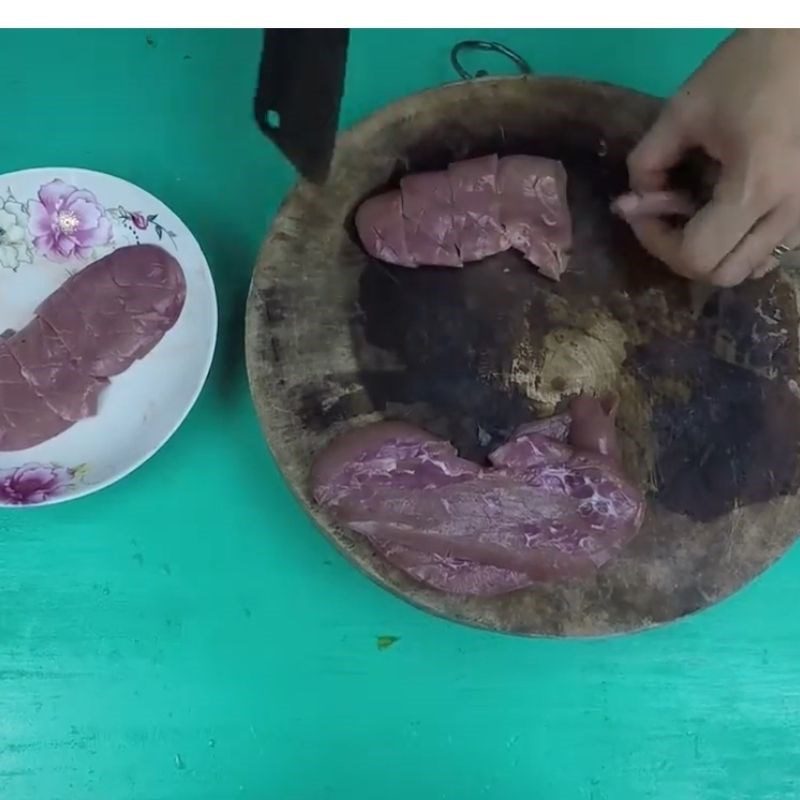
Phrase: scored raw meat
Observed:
(25, 418)
(472, 210)
(116, 310)
(427, 208)
(476, 208)
(94, 326)
(46, 365)
(534, 211)
(382, 216)
(547, 508)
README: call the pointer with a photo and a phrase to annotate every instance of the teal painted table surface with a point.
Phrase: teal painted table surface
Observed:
(188, 635)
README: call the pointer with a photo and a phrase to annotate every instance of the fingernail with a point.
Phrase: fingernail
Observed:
(652, 204)
(626, 204)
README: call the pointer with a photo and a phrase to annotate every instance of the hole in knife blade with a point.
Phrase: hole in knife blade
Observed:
(273, 119)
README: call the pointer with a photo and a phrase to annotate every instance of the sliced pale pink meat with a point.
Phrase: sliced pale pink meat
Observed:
(382, 229)
(477, 208)
(542, 511)
(473, 210)
(534, 211)
(25, 418)
(555, 427)
(428, 213)
(454, 575)
(527, 449)
(47, 366)
(593, 427)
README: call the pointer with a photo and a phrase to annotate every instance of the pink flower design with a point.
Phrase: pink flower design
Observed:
(139, 220)
(33, 483)
(66, 221)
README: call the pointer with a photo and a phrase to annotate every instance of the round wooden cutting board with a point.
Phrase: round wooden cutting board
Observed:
(709, 416)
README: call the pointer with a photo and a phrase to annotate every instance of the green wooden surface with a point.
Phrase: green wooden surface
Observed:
(186, 635)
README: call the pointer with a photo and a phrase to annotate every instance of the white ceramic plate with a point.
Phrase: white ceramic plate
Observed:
(144, 405)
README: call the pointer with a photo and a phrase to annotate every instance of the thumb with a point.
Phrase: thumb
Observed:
(662, 148)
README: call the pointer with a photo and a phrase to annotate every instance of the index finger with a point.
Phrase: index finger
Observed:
(661, 148)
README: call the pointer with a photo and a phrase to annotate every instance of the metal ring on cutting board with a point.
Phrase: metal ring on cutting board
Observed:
(495, 47)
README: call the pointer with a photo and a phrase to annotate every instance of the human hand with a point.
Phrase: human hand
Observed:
(742, 107)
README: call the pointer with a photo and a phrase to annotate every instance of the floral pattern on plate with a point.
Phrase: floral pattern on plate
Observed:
(65, 223)
(15, 249)
(32, 484)
(53, 223)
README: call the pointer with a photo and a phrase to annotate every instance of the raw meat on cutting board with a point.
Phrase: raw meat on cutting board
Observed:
(553, 505)
(472, 210)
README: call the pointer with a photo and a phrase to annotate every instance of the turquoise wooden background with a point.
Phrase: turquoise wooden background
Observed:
(186, 635)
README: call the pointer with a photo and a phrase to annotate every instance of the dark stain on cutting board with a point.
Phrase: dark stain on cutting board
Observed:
(732, 442)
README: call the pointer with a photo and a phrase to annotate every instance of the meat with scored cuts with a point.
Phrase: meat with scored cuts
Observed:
(94, 326)
(472, 210)
(553, 503)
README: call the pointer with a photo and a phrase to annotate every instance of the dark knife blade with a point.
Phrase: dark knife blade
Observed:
(299, 94)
